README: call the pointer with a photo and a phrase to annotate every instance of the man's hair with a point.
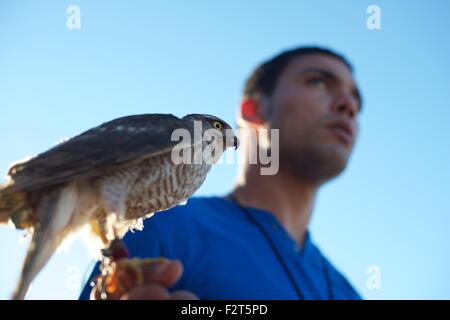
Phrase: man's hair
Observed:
(264, 79)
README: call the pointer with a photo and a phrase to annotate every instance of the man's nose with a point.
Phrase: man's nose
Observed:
(346, 104)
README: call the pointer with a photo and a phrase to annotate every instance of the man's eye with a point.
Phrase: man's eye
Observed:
(316, 81)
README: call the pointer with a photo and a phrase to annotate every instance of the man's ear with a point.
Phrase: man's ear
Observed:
(251, 111)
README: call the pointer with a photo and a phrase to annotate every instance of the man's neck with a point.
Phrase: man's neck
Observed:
(290, 200)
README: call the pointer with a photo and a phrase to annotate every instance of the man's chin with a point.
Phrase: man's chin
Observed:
(338, 153)
(335, 159)
(319, 165)
(317, 168)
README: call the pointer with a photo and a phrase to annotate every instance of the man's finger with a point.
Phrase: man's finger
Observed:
(165, 274)
(147, 292)
(183, 295)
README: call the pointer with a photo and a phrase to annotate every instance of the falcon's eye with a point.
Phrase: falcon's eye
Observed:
(217, 125)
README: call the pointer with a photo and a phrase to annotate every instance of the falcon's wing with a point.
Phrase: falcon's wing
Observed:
(88, 154)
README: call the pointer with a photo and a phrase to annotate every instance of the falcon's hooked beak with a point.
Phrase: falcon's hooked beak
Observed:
(230, 139)
(235, 142)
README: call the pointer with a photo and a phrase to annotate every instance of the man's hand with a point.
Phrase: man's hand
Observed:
(158, 276)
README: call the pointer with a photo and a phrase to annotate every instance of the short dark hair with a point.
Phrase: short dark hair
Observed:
(264, 79)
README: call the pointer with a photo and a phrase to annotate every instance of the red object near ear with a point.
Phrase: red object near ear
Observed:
(250, 111)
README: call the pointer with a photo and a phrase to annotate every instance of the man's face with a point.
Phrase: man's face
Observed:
(315, 105)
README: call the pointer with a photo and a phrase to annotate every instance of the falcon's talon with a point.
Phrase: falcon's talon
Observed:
(116, 250)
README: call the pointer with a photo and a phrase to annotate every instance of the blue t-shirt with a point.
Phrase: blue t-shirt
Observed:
(226, 256)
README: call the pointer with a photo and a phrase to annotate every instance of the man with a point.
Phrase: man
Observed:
(254, 243)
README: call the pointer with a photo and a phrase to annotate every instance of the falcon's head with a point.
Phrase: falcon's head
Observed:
(216, 127)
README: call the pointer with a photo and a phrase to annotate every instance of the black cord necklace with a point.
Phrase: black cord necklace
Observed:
(278, 254)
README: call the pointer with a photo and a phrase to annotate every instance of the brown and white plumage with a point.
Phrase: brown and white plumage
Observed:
(107, 178)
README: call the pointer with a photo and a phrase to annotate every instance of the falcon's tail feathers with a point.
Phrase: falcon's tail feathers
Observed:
(55, 212)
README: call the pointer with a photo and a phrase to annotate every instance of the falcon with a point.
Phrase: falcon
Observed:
(107, 180)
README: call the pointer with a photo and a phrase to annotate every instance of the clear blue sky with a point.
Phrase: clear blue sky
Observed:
(391, 208)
